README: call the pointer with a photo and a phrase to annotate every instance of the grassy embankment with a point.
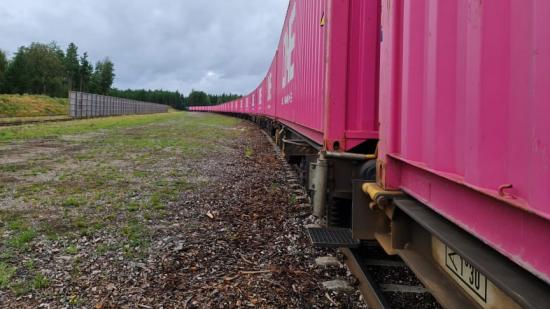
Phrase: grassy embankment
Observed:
(98, 179)
(13, 105)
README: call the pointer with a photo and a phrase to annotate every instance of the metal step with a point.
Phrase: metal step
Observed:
(332, 237)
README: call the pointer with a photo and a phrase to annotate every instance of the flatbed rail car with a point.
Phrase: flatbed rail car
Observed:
(423, 126)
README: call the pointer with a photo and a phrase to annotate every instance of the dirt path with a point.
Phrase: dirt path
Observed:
(194, 211)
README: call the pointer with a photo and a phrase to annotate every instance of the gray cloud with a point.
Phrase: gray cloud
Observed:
(213, 45)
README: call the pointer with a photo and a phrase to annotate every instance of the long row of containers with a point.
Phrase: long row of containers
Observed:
(322, 82)
(456, 92)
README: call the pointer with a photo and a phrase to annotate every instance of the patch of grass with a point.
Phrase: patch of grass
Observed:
(84, 226)
(73, 300)
(80, 222)
(36, 170)
(274, 186)
(133, 206)
(29, 264)
(56, 130)
(15, 224)
(14, 105)
(140, 174)
(72, 201)
(7, 255)
(21, 287)
(54, 228)
(248, 152)
(30, 189)
(292, 199)
(76, 270)
(40, 281)
(135, 232)
(137, 236)
(102, 249)
(6, 273)
(72, 250)
(9, 168)
(156, 202)
(98, 226)
(22, 237)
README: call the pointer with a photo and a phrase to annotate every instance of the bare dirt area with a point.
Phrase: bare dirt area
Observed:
(186, 211)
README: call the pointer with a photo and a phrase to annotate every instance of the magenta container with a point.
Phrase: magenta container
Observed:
(299, 83)
(327, 71)
(464, 115)
(323, 80)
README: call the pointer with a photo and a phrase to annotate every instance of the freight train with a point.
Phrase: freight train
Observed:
(423, 126)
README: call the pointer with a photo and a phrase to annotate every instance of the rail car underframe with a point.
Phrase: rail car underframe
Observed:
(406, 227)
(499, 221)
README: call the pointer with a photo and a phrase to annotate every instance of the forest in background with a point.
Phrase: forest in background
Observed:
(174, 99)
(47, 69)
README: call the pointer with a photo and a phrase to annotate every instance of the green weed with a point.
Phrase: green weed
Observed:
(22, 237)
(6, 273)
(40, 282)
(72, 201)
(72, 250)
(21, 287)
(248, 152)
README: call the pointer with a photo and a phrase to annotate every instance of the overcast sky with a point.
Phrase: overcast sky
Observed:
(212, 45)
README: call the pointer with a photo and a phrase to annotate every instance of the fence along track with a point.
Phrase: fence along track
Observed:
(88, 105)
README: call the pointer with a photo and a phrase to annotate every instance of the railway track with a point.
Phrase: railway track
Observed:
(386, 281)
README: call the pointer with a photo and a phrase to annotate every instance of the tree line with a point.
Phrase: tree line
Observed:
(174, 98)
(201, 98)
(47, 69)
(171, 98)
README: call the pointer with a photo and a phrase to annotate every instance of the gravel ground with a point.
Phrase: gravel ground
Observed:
(234, 239)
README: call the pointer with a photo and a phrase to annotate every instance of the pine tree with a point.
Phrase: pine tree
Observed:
(15, 79)
(85, 73)
(72, 66)
(107, 76)
(96, 78)
(3, 68)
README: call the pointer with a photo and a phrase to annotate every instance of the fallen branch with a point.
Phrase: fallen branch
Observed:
(244, 259)
(231, 278)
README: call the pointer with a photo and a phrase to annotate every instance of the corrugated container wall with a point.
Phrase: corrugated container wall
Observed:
(465, 101)
(324, 77)
(300, 58)
(327, 85)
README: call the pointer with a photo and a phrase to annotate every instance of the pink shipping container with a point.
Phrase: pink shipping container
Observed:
(323, 78)
(464, 112)
(321, 64)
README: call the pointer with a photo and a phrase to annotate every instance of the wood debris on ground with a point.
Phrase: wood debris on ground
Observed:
(237, 240)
